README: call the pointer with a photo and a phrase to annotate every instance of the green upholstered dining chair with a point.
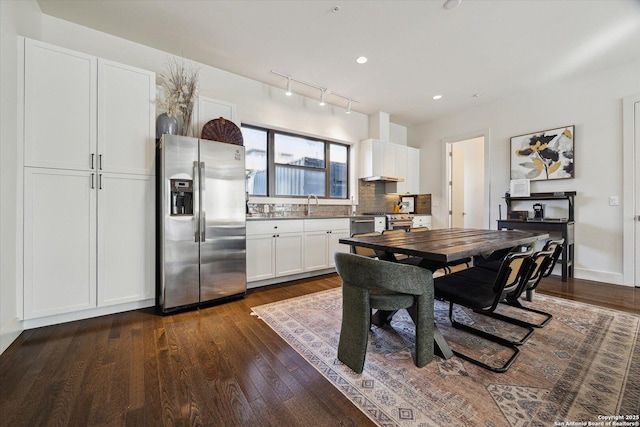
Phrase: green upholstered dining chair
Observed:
(369, 284)
(482, 290)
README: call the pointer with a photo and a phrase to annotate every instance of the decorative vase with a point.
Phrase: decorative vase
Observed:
(187, 129)
(166, 124)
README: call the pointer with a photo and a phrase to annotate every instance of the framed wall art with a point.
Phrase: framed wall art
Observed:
(543, 155)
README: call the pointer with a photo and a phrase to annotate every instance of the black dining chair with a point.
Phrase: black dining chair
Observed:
(538, 264)
(361, 250)
(369, 284)
(482, 290)
(556, 246)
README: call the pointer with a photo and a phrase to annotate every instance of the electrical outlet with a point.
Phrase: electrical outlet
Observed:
(613, 201)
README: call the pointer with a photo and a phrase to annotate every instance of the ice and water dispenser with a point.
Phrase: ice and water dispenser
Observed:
(181, 197)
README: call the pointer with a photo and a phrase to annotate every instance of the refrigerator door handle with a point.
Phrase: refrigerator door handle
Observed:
(196, 190)
(203, 213)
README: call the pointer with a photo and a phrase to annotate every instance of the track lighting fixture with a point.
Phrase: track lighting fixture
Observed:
(323, 90)
(288, 92)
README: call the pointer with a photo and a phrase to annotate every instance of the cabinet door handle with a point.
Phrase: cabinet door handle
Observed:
(92, 158)
(100, 181)
(100, 161)
(92, 184)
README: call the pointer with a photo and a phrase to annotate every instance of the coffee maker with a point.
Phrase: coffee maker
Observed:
(538, 211)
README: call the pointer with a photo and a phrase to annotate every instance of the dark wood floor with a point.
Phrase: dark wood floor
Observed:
(217, 366)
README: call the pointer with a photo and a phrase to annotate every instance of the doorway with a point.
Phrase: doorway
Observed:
(466, 194)
(631, 191)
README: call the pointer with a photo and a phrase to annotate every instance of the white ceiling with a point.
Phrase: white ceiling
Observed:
(416, 49)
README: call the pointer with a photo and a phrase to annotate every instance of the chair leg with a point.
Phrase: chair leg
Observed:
(513, 321)
(498, 340)
(548, 316)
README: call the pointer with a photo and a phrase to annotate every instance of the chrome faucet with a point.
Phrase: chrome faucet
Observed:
(309, 202)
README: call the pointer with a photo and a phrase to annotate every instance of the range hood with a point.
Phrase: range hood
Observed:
(382, 179)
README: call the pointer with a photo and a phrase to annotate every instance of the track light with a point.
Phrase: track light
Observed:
(323, 90)
(288, 92)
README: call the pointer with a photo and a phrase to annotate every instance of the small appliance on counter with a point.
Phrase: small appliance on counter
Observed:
(538, 211)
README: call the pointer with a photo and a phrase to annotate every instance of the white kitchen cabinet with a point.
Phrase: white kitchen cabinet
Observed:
(321, 241)
(380, 223)
(86, 113)
(126, 238)
(60, 104)
(422, 221)
(89, 202)
(126, 119)
(274, 248)
(210, 109)
(408, 167)
(59, 241)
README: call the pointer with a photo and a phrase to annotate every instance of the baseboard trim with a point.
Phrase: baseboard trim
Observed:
(86, 314)
(9, 333)
(599, 276)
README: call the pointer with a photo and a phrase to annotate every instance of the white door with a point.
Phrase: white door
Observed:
(467, 183)
(126, 118)
(457, 186)
(636, 139)
(126, 238)
(59, 107)
(59, 241)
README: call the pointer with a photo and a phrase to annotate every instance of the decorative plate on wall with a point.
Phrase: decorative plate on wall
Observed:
(222, 130)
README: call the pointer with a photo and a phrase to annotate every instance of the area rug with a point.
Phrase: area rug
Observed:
(583, 367)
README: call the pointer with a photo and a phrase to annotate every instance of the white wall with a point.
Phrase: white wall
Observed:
(16, 17)
(592, 103)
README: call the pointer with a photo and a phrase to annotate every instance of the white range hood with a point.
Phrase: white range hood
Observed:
(377, 156)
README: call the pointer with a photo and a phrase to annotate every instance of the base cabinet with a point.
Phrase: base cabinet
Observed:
(59, 241)
(94, 252)
(274, 248)
(321, 242)
(125, 215)
(420, 221)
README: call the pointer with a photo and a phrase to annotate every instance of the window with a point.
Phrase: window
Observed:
(281, 164)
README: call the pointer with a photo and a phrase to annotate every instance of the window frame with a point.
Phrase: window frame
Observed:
(271, 165)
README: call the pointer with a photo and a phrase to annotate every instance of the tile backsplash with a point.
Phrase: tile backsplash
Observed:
(371, 195)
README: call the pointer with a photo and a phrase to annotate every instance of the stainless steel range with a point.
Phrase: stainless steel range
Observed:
(396, 221)
(399, 221)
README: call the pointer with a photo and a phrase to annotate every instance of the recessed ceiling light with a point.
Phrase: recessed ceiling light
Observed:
(437, 96)
(451, 4)
(361, 60)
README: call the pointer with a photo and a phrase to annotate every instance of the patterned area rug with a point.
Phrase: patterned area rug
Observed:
(584, 366)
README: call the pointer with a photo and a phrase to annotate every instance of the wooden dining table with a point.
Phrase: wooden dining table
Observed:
(436, 248)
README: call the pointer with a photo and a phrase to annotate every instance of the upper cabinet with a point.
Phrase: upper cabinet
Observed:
(126, 118)
(209, 109)
(86, 113)
(60, 107)
(389, 160)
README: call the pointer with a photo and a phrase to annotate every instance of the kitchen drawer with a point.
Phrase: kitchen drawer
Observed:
(281, 226)
(326, 224)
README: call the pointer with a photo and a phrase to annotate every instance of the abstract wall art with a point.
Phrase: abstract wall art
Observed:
(543, 155)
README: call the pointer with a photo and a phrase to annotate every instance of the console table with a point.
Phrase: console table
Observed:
(564, 226)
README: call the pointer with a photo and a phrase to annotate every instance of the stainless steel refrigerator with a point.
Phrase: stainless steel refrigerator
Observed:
(201, 209)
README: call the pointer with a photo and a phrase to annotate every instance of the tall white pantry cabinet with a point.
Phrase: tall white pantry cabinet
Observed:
(89, 186)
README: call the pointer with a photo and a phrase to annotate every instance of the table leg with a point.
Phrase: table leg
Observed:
(440, 346)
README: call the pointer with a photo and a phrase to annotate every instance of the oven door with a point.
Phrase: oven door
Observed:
(400, 225)
(362, 225)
